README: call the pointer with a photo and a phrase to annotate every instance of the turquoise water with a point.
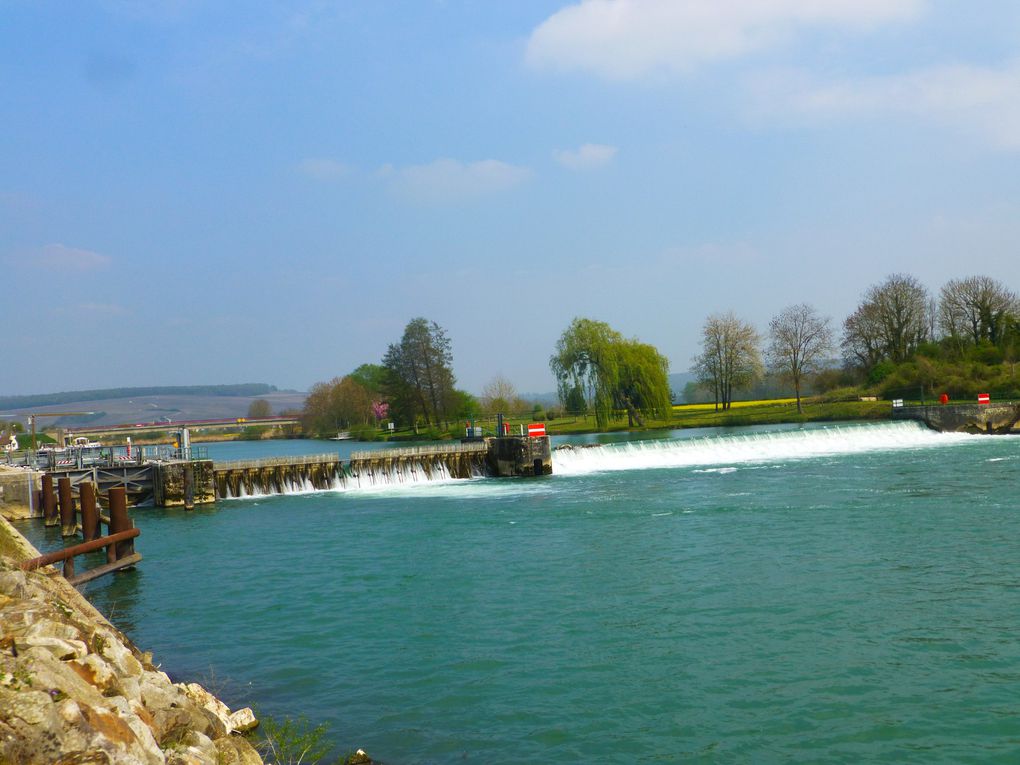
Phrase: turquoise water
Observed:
(838, 594)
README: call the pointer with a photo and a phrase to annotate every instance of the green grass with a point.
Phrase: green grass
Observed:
(684, 416)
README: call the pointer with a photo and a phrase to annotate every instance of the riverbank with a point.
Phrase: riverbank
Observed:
(73, 688)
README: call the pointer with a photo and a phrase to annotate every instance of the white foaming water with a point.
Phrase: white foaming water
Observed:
(753, 447)
(378, 480)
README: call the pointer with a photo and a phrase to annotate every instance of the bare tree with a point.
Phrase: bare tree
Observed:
(890, 323)
(799, 338)
(977, 308)
(500, 395)
(729, 358)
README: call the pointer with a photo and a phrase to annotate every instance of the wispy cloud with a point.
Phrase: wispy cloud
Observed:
(631, 39)
(446, 180)
(59, 257)
(323, 169)
(981, 100)
(585, 157)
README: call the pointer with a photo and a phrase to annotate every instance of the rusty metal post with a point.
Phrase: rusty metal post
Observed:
(119, 521)
(89, 513)
(68, 520)
(69, 568)
(49, 502)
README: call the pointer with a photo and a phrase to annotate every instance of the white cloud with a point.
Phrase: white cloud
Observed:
(588, 156)
(450, 179)
(58, 257)
(981, 100)
(630, 39)
(323, 169)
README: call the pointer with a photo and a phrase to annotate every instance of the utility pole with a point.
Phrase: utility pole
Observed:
(32, 417)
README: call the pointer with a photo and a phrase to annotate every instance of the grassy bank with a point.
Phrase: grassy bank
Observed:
(742, 413)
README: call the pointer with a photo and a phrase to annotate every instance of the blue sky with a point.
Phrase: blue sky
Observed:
(214, 192)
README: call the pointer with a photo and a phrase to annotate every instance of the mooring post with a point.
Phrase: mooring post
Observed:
(49, 501)
(89, 513)
(119, 521)
(68, 521)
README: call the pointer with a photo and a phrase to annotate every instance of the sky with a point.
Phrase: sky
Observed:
(216, 192)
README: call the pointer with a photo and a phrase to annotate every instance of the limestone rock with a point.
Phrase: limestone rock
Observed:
(234, 750)
(243, 720)
(74, 691)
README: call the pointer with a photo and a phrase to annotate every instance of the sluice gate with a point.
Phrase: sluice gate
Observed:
(278, 475)
(465, 460)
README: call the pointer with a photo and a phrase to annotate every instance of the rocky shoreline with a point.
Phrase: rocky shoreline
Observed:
(75, 690)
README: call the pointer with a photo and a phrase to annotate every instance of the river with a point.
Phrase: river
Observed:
(844, 593)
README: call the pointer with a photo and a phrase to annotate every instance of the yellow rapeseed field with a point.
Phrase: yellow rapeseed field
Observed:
(734, 405)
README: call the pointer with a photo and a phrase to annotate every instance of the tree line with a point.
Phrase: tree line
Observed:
(899, 336)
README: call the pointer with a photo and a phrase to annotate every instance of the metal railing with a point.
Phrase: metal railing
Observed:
(419, 451)
(301, 459)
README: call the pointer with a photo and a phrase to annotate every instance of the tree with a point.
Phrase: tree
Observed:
(419, 379)
(337, 405)
(610, 372)
(372, 377)
(259, 408)
(500, 396)
(890, 323)
(975, 309)
(799, 339)
(729, 358)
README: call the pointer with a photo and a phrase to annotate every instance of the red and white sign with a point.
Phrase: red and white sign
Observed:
(984, 398)
(536, 429)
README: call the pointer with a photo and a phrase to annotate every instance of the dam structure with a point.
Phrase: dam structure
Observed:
(185, 477)
(990, 418)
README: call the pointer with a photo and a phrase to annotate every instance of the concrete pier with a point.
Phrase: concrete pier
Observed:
(992, 419)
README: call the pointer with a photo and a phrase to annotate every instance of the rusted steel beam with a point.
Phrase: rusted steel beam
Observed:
(90, 528)
(49, 501)
(109, 568)
(84, 547)
(119, 521)
(68, 520)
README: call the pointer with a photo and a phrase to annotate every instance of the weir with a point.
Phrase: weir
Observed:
(189, 482)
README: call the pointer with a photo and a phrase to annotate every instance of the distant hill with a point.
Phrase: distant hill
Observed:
(104, 394)
(134, 405)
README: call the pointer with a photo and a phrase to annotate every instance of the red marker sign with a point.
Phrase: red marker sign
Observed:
(984, 398)
(536, 429)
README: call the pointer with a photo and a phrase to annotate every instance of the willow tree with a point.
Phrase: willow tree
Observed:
(611, 372)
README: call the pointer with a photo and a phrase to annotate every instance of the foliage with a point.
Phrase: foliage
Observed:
(463, 406)
(259, 408)
(338, 405)
(729, 359)
(499, 396)
(292, 741)
(894, 318)
(610, 372)
(419, 380)
(977, 309)
(372, 377)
